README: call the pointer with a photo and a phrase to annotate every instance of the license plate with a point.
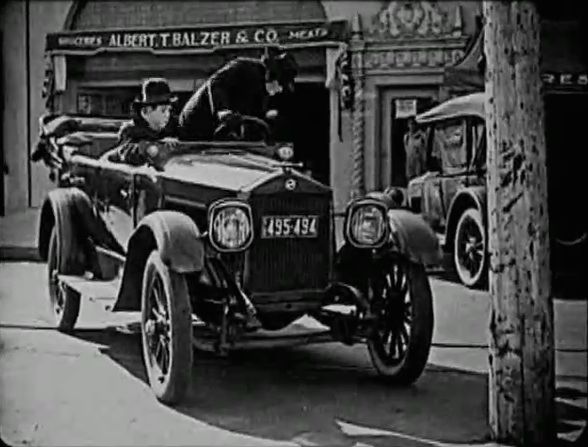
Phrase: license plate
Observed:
(289, 226)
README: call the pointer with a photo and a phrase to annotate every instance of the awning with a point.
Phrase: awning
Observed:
(564, 65)
(467, 105)
(467, 74)
(198, 39)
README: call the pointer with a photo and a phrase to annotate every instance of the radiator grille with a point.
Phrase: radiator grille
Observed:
(293, 263)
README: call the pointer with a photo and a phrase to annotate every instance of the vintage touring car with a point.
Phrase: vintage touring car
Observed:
(450, 193)
(203, 225)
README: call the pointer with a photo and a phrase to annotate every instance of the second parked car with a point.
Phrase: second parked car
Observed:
(450, 192)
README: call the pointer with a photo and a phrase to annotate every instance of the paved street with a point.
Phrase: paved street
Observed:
(90, 389)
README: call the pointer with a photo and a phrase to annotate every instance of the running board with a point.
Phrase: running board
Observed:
(295, 335)
(102, 292)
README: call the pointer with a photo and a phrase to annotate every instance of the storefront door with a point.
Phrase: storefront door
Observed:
(397, 106)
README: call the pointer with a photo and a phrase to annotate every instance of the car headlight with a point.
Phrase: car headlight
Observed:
(366, 223)
(230, 226)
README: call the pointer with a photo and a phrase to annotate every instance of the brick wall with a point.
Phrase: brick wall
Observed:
(128, 14)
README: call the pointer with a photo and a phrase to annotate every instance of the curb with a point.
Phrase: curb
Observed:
(15, 253)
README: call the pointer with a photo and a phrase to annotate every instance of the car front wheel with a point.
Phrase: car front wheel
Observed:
(166, 329)
(401, 301)
(470, 256)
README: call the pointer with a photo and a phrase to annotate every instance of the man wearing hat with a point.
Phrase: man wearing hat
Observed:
(153, 121)
(241, 87)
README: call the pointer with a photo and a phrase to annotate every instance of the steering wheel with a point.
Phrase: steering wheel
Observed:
(227, 130)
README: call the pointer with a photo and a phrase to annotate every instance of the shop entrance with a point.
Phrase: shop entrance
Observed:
(305, 121)
(566, 170)
(399, 123)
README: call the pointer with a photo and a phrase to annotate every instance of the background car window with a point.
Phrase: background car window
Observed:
(450, 146)
(478, 145)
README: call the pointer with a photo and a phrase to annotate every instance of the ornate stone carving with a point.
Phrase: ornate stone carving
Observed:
(416, 20)
(412, 58)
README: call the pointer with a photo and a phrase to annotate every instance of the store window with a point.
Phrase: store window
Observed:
(114, 103)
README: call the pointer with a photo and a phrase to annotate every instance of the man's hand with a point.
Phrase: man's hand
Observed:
(271, 114)
(223, 114)
(228, 117)
(170, 142)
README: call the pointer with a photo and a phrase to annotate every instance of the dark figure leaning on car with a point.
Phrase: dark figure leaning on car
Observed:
(153, 121)
(241, 87)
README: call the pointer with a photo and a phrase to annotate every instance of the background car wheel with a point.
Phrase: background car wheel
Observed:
(64, 301)
(166, 329)
(403, 305)
(470, 255)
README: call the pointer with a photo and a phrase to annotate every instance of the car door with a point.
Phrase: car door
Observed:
(147, 192)
(116, 200)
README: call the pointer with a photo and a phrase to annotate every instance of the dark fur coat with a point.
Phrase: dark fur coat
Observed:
(238, 86)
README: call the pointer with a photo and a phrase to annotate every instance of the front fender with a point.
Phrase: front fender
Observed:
(177, 238)
(414, 238)
(411, 237)
(179, 243)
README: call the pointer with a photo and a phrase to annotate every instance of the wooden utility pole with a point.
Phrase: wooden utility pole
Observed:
(522, 361)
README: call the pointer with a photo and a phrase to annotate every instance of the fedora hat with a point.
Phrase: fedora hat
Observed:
(155, 91)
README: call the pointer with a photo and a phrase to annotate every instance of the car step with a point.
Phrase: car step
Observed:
(99, 291)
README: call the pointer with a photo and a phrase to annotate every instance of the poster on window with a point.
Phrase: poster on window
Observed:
(405, 108)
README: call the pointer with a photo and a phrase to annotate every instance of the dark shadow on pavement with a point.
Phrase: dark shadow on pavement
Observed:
(571, 415)
(569, 288)
(566, 288)
(300, 394)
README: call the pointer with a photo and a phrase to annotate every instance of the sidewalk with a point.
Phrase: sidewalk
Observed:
(18, 236)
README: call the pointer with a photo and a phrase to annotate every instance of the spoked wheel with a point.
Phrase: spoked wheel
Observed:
(166, 328)
(470, 256)
(400, 296)
(64, 301)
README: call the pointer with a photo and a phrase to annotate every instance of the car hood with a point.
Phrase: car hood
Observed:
(228, 171)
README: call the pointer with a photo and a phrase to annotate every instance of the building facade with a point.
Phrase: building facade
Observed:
(398, 54)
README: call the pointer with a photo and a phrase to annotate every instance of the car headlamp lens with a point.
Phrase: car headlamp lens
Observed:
(230, 226)
(367, 225)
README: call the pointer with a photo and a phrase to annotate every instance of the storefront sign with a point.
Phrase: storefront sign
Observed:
(197, 38)
(560, 81)
(405, 108)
